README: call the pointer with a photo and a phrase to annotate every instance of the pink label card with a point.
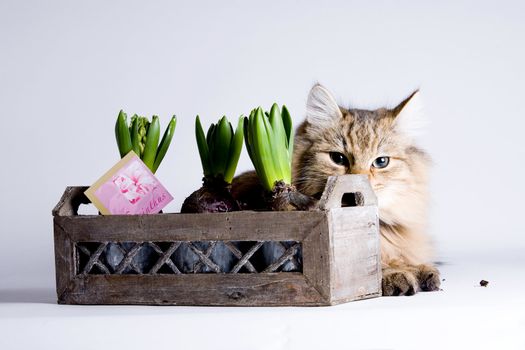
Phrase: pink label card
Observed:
(129, 188)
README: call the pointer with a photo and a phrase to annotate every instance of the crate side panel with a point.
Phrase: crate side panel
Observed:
(278, 289)
(236, 226)
(356, 254)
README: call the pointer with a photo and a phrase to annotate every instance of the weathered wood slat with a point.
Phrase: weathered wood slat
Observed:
(93, 259)
(316, 258)
(165, 257)
(243, 260)
(199, 289)
(288, 254)
(133, 265)
(126, 262)
(205, 260)
(64, 260)
(235, 226)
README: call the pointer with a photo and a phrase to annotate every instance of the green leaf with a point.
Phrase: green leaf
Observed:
(288, 126)
(210, 137)
(273, 147)
(152, 142)
(248, 139)
(203, 147)
(263, 151)
(209, 134)
(249, 128)
(223, 140)
(122, 134)
(165, 143)
(235, 150)
(279, 145)
(135, 141)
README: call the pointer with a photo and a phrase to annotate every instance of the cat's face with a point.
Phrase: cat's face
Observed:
(377, 143)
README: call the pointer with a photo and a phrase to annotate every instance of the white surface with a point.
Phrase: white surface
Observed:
(67, 68)
(462, 316)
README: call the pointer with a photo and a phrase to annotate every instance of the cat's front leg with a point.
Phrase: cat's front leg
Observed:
(408, 280)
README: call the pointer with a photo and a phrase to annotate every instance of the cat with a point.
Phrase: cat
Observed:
(380, 144)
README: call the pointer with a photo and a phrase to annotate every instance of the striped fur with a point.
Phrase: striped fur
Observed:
(401, 187)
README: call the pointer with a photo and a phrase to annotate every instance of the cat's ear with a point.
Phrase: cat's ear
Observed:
(409, 116)
(321, 108)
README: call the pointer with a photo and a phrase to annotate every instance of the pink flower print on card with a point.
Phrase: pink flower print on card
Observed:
(134, 183)
(129, 188)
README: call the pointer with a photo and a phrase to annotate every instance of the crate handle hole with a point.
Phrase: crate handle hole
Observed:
(352, 199)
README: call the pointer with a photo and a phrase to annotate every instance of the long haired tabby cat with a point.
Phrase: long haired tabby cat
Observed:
(379, 143)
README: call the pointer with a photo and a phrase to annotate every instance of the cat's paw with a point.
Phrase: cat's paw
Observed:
(399, 282)
(429, 278)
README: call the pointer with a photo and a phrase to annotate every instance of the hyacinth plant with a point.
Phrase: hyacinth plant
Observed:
(219, 152)
(269, 141)
(142, 136)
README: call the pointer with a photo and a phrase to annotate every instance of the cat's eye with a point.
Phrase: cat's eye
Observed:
(339, 159)
(381, 162)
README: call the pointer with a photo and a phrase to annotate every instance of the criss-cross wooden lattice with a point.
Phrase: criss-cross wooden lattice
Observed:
(96, 254)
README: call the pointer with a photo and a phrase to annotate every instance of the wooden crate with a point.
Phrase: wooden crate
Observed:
(336, 248)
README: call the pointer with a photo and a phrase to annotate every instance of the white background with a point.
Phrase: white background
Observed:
(67, 68)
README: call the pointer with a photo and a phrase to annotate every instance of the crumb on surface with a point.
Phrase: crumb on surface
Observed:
(483, 283)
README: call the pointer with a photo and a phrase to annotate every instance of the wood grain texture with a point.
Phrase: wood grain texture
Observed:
(278, 289)
(340, 252)
(355, 253)
(316, 258)
(65, 261)
(235, 226)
